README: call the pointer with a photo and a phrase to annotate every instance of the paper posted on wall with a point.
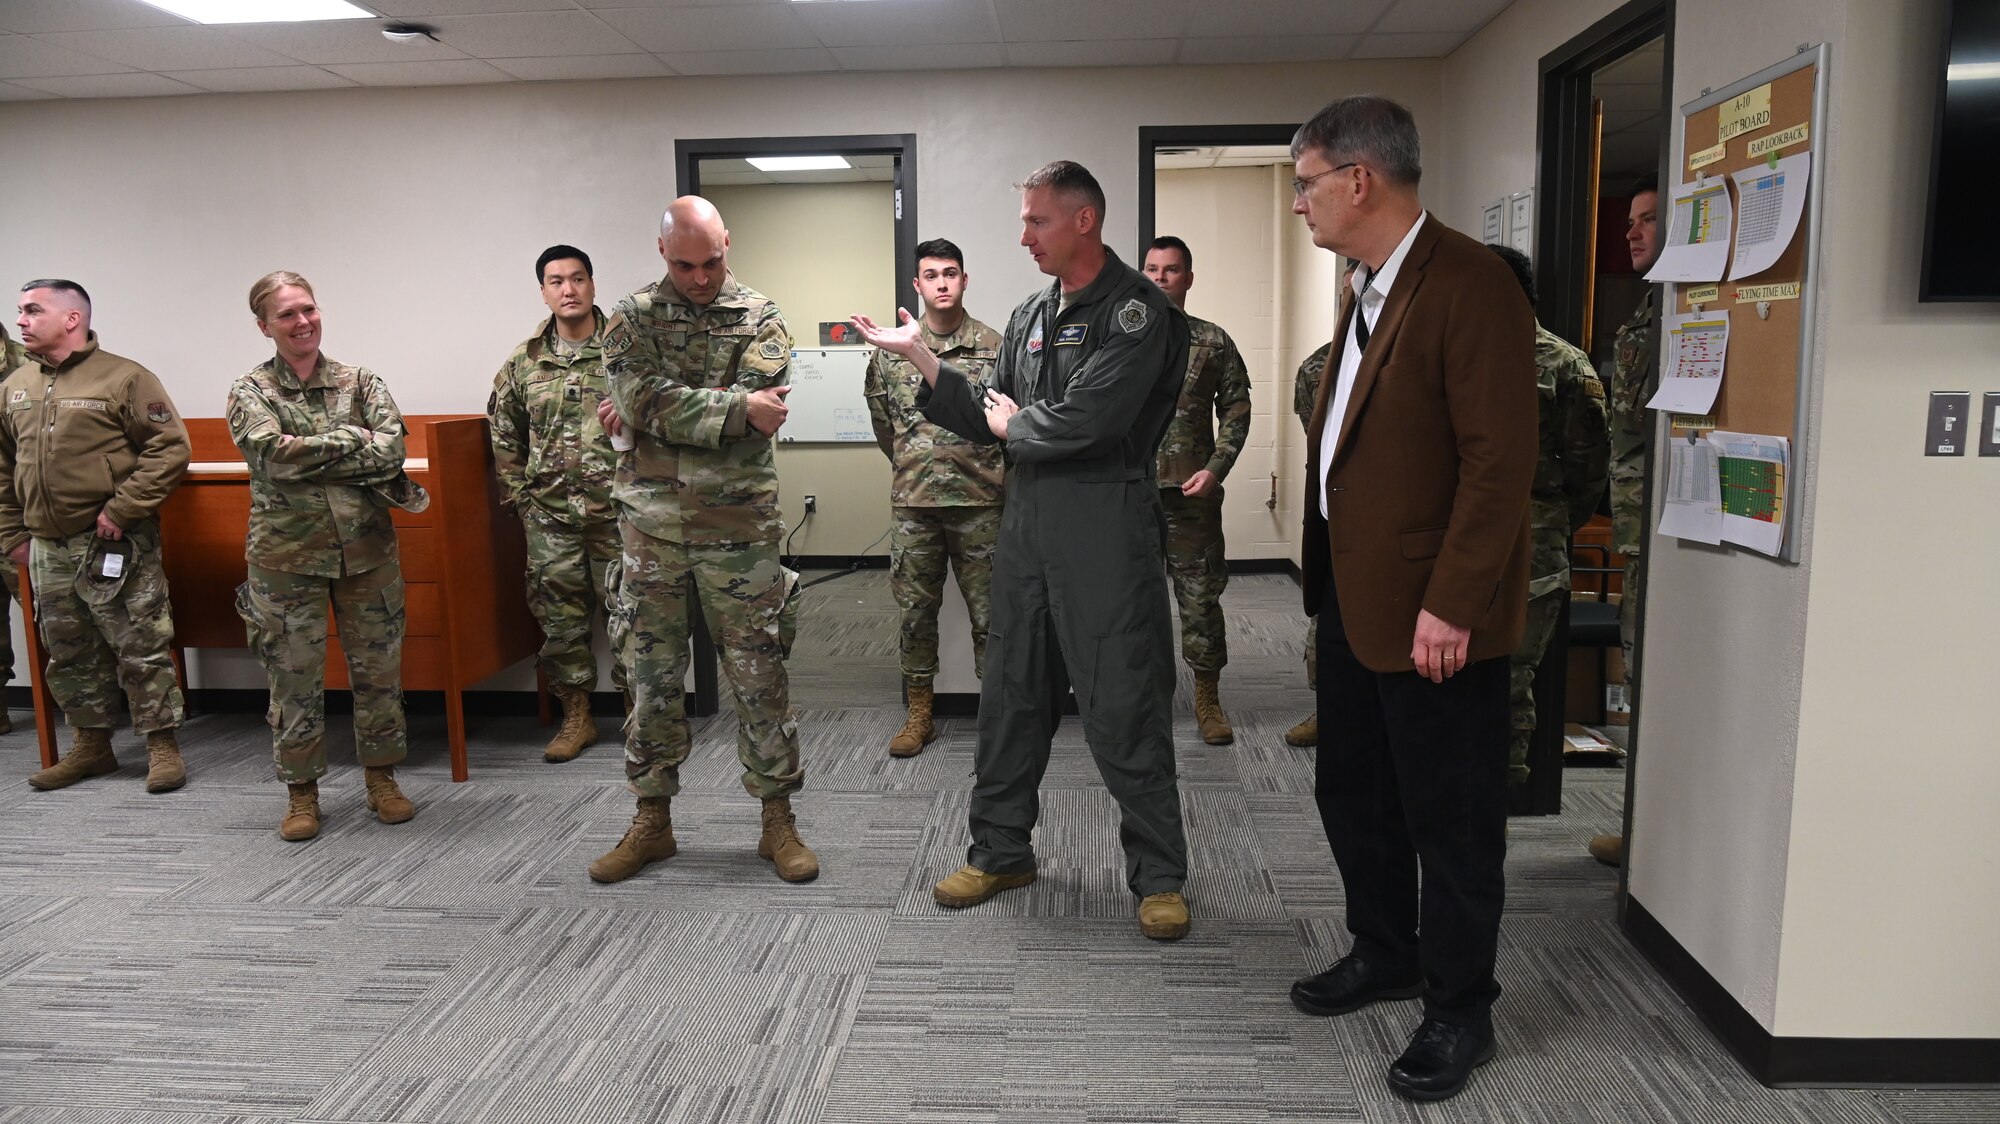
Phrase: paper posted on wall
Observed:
(1772, 199)
(1691, 375)
(1752, 468)
(1693, 507)
(1697, 246)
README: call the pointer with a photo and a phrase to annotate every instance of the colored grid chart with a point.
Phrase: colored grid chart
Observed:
(1753, 489)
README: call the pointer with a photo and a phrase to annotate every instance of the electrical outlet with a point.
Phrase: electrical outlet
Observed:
(812, 504)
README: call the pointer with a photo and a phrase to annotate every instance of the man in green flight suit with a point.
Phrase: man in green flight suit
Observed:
(1096, 361)
(1570, 475)
(945, 492)
(1210, 424)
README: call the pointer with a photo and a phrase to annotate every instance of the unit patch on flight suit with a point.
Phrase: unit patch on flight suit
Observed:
(1132, 315)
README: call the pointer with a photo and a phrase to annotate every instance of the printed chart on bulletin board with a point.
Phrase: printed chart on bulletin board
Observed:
(1740, 224)
(826, 402)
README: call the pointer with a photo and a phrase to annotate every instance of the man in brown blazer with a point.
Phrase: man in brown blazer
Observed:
(1420, 456)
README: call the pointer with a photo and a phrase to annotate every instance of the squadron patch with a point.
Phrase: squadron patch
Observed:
(1035, 338)
(618, 334)
(158, 413)
(771, 349)
(1132, 315)
(17, 396)
(1071, 335)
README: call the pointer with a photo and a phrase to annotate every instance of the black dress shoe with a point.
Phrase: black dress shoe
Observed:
(1351, 984)
(1440, 1059)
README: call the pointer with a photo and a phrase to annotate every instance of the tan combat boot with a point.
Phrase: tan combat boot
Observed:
(6, 722)
(385, 799)
(165, 771)
(918, 730)
(649, 839)
(781, 844)
(579, 729)
(89, 756)
(1163, 917)
(302, 814)
(968, 886)
(1305, 734)
(1208, 709)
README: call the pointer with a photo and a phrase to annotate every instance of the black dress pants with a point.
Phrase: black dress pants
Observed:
(1412, 791)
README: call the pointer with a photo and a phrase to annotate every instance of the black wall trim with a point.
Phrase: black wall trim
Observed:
(1796, 1062)
(1152, 138)
(1265, 566)
(837, 562)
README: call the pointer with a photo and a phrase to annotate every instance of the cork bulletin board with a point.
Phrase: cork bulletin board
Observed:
(1777, 112)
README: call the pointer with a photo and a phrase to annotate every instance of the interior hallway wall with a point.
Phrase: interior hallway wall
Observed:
(823, 251)
(417, 212)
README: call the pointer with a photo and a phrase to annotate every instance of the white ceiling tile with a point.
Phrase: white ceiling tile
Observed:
(341, 41)
(1283, 18)
(167, 48)
(941, 56)
(1413, 16)
(437, 72)
(33, 16)
(135, 84)
(578, 67)
(254, 79)
(424, 9)
(1051, 21)
(1099, 52)
(891, 23)
(1282, 48)
(11, 92)
(531, 34)
(744, 27)
(1418, 45)
(22, 57)
(785, 60)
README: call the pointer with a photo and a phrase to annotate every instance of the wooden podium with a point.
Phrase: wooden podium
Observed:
(464, 567)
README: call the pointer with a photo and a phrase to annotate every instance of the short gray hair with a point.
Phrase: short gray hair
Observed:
(1365, 129)
(1070, 180)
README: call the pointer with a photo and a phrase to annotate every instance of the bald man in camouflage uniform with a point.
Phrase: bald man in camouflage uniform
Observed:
(698, 366)
(555, 465)
(1305, 391)
(1570, 476)
(91, 446)
(11, 356)
(944, 493)
(1210, 424)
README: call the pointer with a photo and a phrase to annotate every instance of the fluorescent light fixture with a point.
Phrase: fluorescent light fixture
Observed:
(1971, 71)
(798, 163)
(262, 11)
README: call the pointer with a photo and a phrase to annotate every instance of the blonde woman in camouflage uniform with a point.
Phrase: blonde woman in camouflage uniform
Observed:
(324, 444)
(555, 464)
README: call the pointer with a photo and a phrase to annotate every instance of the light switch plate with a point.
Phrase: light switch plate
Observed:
(1950, 426)
(1989, 425)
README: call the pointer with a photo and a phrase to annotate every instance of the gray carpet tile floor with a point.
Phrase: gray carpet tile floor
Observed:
(168, 960)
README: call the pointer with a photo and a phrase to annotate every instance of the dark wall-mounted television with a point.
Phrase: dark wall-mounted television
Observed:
(1961, 236)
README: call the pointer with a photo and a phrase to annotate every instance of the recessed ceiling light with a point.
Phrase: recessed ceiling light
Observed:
(797, 163)
(262, 11)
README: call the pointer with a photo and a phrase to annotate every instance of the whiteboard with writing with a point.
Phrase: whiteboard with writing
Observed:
(826, 401)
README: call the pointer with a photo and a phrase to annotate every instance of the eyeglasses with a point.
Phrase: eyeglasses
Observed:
(1299, 185)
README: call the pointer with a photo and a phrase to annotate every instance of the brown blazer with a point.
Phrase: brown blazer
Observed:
(1428, 496)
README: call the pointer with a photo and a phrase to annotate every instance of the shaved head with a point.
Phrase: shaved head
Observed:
(54, 317)
(695, 246)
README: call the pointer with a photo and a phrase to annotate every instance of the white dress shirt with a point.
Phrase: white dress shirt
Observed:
(1371, 293)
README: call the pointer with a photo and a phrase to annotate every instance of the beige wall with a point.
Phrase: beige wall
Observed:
(824, 252)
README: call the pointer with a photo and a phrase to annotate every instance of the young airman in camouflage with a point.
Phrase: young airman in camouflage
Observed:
(1210, 424)
(944, 492)
(1636, 363)
(555, 464)
(90, 447)
(324, 445)
(1570, 475)
(698, 367)
(1305, 389)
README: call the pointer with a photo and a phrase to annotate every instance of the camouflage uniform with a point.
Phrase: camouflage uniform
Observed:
(1305, 392)
(945, 495)
(11, 356)
(1216, 382)
(94, 433)
(1637, 359)
(698, 515)
(555, 465)
(326, 465)
(1569, 480)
